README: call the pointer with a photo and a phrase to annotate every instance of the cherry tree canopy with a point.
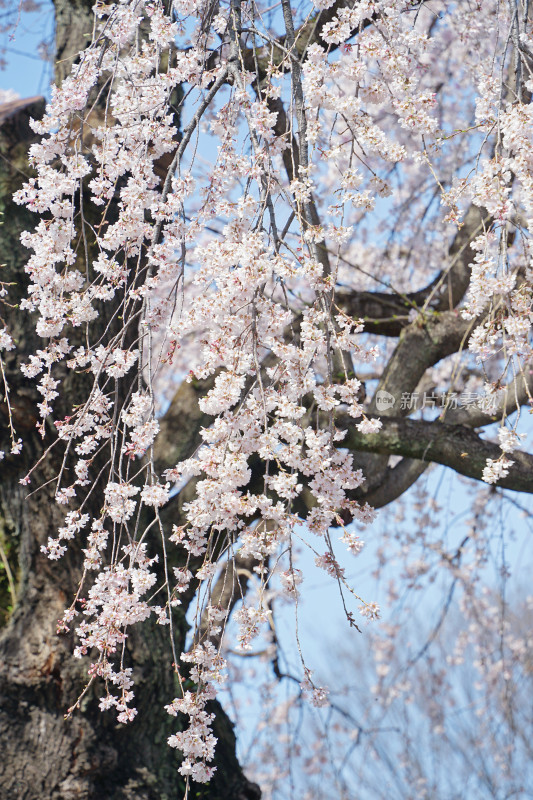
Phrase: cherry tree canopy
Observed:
(280, 262)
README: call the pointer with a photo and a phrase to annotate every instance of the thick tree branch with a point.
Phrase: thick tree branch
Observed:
(455, 446)
(420, 346)
(516, 394)
(392, 483)
(387, 313)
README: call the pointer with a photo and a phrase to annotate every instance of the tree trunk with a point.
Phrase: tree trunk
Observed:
(43, 755)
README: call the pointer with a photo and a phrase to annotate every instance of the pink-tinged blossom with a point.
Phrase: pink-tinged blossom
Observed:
(156, 495)
(317, 695)
(119, 505)
(115, 362)
(329, 564)
(6, 342)
(369, 425)
(370, 611)
(353, 542)
(320, 697)
(290, 580)
(496, 469)
(509, 439)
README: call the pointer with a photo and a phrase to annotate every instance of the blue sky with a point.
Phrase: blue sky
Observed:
(27, 74)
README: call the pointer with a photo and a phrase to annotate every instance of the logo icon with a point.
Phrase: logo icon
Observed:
(384, 400)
